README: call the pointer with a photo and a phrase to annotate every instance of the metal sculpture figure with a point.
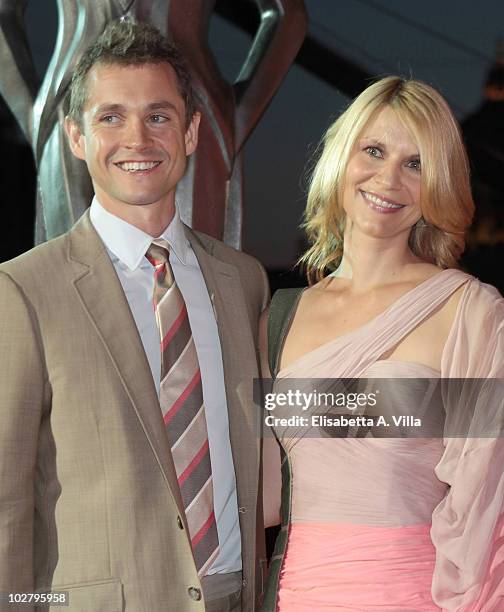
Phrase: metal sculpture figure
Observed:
(210, 196)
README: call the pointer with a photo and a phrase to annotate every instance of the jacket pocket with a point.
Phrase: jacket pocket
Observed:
(101, 596)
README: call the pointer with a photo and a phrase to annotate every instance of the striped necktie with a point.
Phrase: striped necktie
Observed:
(181, 399)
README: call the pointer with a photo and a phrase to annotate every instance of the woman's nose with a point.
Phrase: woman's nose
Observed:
(389, 174)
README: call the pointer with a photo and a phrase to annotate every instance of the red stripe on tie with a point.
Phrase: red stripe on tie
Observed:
(182, 398)
(203, 531)
(157, 263)
(194, 463)
(173, 329)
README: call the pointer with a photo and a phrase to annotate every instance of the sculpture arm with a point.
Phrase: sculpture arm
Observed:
(276, 43)
(188, 23)
(18, 78)
(280, 34)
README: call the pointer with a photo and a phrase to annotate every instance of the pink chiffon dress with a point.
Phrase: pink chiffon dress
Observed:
(402, 524)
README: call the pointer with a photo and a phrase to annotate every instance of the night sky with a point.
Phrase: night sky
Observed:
(449, 44)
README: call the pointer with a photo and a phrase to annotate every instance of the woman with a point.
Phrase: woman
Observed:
(391, 523)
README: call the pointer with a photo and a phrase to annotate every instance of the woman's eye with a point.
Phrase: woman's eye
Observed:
(415, 164)
(373, 151)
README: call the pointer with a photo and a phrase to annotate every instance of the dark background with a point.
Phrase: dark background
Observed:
(451, 45)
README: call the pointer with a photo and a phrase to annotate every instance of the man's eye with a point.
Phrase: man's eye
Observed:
(158, 118)
(109, 119)
(373, 151)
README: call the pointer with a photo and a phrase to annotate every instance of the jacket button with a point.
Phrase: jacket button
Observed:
(242, 509)
(194, 593)
(180, 523)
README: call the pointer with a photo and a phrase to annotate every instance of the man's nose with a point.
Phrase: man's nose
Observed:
(136, 134)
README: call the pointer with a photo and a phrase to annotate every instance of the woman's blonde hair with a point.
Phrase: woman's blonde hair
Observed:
(446, 201)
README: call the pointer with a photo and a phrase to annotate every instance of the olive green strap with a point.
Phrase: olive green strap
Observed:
(269, 603)
(282, 307)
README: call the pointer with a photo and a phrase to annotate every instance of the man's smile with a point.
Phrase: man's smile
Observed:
(137, 166)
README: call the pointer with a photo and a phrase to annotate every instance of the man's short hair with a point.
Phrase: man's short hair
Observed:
(127, 43)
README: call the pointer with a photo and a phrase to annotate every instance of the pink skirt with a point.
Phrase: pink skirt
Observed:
(356, 567)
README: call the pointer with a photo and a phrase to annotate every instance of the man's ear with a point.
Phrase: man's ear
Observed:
(75, 138)
(191, 135)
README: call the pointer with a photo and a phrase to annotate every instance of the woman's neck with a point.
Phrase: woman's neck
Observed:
(369, 262)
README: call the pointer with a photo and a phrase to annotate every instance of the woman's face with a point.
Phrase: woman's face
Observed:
(381, 193)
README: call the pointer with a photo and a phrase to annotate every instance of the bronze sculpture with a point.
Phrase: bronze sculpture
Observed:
(210, 196)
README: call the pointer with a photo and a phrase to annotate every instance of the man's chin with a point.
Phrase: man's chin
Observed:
(141, 201)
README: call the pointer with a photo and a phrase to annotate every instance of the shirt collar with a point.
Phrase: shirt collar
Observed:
(129, 243)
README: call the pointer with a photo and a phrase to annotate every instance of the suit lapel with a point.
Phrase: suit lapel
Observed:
(238, 355)
(103, 299)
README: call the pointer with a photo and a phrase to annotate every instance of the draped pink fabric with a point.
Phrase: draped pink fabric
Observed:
(409, 524)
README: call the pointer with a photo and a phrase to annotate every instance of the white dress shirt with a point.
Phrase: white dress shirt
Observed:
(127, 245)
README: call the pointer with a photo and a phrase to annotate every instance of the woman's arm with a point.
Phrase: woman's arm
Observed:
(468, 524)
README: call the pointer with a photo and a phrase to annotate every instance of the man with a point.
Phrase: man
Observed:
(115, 484)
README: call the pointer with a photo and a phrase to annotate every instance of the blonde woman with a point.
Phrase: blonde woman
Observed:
(371, 521)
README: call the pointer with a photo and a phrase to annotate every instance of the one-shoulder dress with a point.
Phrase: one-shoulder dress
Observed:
(403, 524)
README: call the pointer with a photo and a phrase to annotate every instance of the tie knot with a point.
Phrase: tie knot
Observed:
(158, 252)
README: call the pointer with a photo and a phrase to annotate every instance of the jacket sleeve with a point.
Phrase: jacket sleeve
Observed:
(22, 384)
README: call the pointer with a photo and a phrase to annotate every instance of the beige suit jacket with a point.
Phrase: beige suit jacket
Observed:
(89, 501)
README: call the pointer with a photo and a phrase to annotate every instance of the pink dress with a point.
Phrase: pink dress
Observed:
(402, 524)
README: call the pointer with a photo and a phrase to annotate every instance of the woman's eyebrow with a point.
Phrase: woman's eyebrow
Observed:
(372, 140)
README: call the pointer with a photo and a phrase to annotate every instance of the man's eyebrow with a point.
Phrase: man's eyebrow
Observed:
(109, 108)
(162, 104)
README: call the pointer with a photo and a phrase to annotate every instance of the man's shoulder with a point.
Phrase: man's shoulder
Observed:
(38, 275)
(254, 280)
(40, 259)
(225, 252)
(51, 258)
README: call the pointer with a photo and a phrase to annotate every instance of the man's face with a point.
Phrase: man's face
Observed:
(133, 135)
